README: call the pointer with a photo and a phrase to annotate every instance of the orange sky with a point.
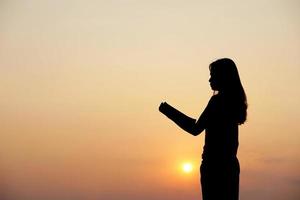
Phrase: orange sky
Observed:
(81, 82)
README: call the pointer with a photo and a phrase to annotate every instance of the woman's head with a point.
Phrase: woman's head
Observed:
(226, 80)
(224, 75)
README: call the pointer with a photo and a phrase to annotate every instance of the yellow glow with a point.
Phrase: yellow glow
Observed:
(95, 74)
(187, 167)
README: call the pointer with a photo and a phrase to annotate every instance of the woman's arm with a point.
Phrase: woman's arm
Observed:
(185, 122)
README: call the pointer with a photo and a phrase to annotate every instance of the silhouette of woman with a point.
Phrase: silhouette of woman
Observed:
(226, 110)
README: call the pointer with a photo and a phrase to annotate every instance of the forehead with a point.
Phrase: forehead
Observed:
(213, 72)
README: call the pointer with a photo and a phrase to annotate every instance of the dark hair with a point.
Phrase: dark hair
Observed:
(230, 87)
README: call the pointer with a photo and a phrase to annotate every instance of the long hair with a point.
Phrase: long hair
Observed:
(231, 87)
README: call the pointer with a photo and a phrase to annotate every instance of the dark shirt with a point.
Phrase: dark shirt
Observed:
(221, 130)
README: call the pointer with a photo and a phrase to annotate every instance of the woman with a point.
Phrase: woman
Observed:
(226, 110)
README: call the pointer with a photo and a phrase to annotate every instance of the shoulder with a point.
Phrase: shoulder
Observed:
(213, 103)
(215, 99)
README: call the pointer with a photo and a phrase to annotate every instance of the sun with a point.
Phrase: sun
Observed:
(187, 167)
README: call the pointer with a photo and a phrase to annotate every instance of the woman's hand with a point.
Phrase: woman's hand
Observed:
(162, 107)
(183, 121)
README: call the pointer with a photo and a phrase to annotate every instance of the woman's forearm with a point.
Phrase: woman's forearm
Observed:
(183, 121)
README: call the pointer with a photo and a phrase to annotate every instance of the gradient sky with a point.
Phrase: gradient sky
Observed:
(81, 82)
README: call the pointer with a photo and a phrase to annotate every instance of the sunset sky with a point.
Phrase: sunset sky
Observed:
(81, 82)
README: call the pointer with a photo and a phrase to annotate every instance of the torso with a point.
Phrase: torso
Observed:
(221, 133)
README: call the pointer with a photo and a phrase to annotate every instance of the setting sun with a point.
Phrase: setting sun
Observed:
(187, 167)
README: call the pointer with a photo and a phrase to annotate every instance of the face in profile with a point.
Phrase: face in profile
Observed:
(214, 83)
